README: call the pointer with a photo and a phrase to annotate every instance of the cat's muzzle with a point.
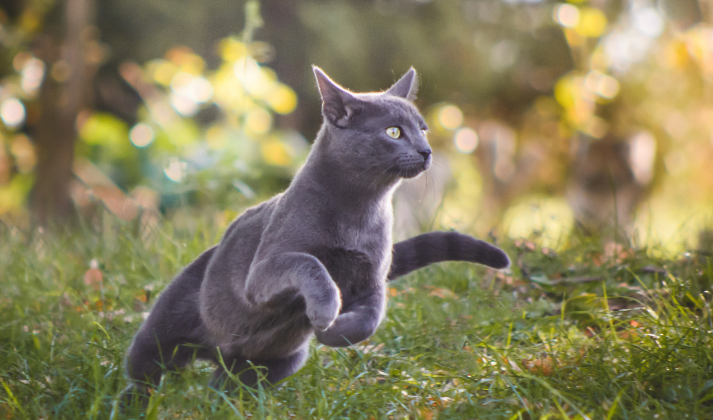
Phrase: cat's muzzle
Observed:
(411, 167)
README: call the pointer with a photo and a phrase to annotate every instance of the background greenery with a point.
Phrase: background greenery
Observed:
(577, 133)
(598, 113)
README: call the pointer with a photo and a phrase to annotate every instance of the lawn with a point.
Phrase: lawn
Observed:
(591, 331)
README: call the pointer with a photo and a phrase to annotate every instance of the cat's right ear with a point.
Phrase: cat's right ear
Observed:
(338, 104)
(406, 87)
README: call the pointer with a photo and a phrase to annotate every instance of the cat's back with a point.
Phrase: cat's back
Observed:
(237, 247)
(231, 261)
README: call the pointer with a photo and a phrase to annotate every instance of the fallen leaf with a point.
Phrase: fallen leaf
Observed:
(626, 334)
(442, 293)
(93, 277)
(426, 414)
(544, 366)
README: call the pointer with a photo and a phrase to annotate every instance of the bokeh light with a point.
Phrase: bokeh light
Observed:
(162, 71)
(601, 84)
(141, 135)
(258, 121)
(175, 170)
(566, 15)
(275, 153)
(642, 154)
(592, 22)
(466, 140)
(450, 117)
(196, 88)
(33, 72)
(649, 22)
(282, 99)
(12, 112)
(183, 104)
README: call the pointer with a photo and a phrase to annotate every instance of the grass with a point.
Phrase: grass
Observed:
(589, 332)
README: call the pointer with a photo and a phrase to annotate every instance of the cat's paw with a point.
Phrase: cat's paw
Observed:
(323, 310)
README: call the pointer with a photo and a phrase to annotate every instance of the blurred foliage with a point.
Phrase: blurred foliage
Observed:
(200, 135)
(201, 132)
(597, 112)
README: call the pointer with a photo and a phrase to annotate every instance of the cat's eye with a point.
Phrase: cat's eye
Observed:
(393, 132)
(423, 132)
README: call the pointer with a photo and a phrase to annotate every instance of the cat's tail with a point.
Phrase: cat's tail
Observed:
(433, 247)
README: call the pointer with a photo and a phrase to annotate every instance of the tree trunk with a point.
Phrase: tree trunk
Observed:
(62, 96)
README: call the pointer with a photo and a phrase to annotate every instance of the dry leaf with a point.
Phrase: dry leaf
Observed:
(545, 366)
(93, 276)
(590, 332)
(426, 414)
(442, 293)
(626, 334)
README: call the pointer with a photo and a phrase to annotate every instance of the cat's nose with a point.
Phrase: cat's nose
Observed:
(425, 153)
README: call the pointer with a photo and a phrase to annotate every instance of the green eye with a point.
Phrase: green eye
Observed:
(393, 132)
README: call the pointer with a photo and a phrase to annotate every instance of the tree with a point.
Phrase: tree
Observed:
(63, 95)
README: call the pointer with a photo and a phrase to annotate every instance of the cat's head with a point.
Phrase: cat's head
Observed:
(379, 133)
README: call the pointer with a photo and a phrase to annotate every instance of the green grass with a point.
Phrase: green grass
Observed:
(569, 335)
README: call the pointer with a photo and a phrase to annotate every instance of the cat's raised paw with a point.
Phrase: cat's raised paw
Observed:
(323, 314)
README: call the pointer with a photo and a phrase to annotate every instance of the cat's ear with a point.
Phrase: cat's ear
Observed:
(338, 104)
(406, 87)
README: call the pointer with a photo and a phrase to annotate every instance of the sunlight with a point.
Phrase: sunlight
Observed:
(548, 218)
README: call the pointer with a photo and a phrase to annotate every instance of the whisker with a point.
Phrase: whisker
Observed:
(363, 173)
(376, 180)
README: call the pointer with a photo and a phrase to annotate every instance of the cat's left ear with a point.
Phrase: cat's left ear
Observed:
(338, 104)
(406, 87)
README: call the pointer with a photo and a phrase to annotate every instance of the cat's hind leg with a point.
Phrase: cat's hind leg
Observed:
(148, 358)
(250, 372)
(171, 335)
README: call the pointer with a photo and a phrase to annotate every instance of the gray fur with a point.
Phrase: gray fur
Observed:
(313, 260)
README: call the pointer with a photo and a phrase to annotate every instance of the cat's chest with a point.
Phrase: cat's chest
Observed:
(355, 272)
(368, 232)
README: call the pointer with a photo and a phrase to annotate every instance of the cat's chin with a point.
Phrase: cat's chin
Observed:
(411, 173)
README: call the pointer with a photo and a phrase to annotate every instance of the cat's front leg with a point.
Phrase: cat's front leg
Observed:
(278, 277)
(356, 323)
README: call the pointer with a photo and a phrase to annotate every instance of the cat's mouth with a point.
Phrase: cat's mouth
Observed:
(414, 168)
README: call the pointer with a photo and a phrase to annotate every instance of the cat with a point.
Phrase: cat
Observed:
(313, 260)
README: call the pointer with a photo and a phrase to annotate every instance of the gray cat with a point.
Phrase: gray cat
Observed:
(313, 260)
